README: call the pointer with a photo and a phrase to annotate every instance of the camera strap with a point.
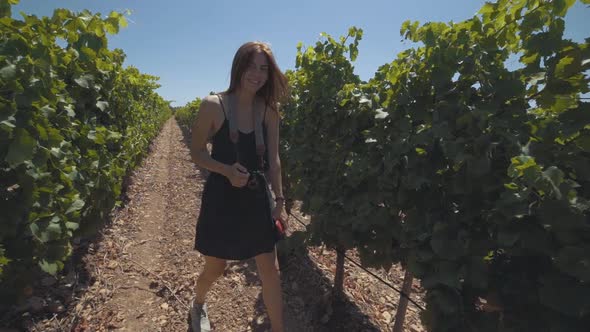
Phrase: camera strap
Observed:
(258, 119)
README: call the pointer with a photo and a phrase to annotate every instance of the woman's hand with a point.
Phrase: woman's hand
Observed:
(238, 175)
(279, 213)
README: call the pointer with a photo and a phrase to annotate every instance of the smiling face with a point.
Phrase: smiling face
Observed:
(256, 73)
(254, 70)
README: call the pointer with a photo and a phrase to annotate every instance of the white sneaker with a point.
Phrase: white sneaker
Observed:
(199, 318)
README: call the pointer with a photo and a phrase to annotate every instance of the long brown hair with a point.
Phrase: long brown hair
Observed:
(275, 88)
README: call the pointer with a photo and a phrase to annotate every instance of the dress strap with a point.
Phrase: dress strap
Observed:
(221, 103)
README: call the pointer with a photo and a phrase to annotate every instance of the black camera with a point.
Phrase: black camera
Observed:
(254, 180)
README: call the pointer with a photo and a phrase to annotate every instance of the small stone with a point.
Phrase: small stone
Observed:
(386, 316)
(112, 264)
(13, 187)
(416, 328)
(164, 306)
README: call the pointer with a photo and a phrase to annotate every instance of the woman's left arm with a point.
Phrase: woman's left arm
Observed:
(275, 164)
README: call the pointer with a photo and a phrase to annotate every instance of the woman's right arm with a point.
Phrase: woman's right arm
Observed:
(205, 124)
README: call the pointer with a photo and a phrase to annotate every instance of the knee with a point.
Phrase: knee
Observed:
(213, 272)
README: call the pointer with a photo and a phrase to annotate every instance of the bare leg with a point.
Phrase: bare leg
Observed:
(271, 289)
(214, 268)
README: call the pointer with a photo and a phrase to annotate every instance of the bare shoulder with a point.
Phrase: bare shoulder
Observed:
(210, 116)
(211, 107)
(210, 102)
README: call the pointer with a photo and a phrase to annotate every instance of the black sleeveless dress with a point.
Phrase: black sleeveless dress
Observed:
(234, 223)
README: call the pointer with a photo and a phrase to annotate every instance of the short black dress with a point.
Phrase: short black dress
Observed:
(234, 223)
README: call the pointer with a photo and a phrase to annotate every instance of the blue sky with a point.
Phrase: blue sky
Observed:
(190, 44)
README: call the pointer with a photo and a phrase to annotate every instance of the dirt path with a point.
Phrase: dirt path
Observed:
(145, 269)
(140, 273)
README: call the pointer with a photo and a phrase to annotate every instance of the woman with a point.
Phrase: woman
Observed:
(236, 217)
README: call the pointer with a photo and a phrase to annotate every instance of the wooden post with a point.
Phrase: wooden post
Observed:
(400, 315)
(339, 277)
